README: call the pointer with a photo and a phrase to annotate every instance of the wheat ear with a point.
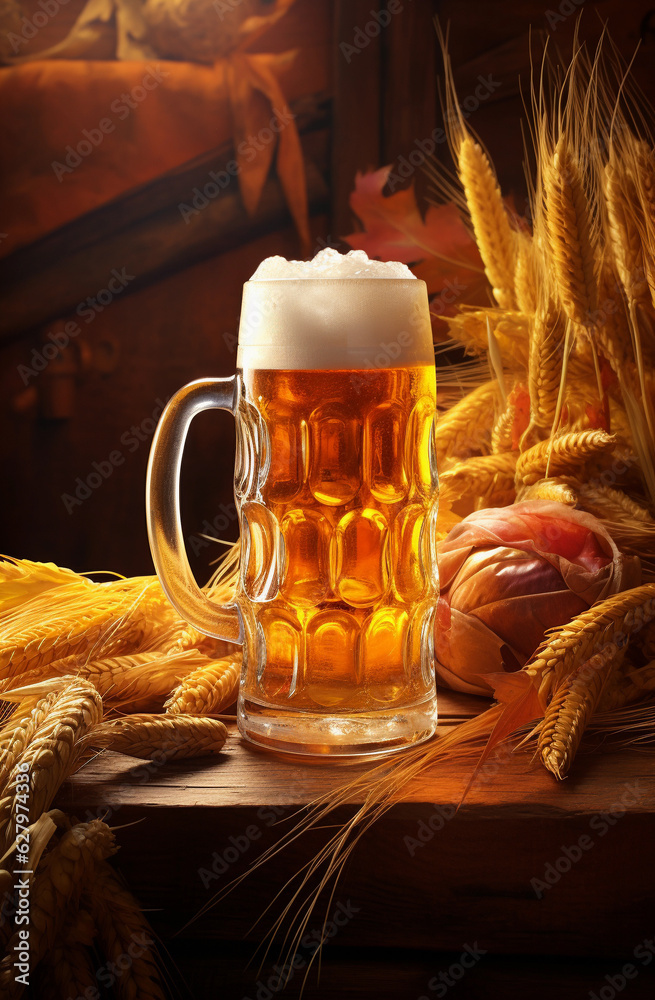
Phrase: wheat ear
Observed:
(56, 887)
(20, 731)
(463, 429)
(557, 456)
(612, 504)
(545, 366)
(568, 225)
(494, 236)
(621, 200)
(49, 757)
(209, 689)
(571, 708)
(490, 477)
(66, 972)
(555, 489)
(120, 924)
(160, 737)
(603, 625)
(94, 621)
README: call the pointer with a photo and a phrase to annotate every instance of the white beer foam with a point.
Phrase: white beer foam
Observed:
(335, 311)
(331, 264)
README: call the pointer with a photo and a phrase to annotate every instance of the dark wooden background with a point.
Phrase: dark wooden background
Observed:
(379, 103)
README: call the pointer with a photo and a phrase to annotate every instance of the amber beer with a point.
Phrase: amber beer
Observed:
(336, 514)
(336, 489)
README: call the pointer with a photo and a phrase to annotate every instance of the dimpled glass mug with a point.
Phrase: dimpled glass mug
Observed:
(336, 490)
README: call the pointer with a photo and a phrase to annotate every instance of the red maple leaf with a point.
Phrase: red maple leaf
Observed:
(439, 247)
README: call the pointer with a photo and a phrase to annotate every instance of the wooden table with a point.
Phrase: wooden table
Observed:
(546, 889)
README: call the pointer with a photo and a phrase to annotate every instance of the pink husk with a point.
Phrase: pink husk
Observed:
(509, 574)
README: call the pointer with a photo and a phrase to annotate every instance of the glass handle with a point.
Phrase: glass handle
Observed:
(222, 621)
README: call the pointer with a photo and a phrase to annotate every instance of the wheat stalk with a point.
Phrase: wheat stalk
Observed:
(545, 366)
(209, 689)
(605, 624)
(55, 889)
(48, 758)
(494, 236)
(568, 226)
(557, 456)
(463, 429)
(22, 580)
(490, 477)
(571, 708)
(140, 679)
(121, 925)
(160, 737)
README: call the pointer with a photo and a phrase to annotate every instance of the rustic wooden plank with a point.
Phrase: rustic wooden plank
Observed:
(422, 877)
(146, 233)
(356, 126)
(409, 86)
(249, 777)
(394, 974)
(526, 866)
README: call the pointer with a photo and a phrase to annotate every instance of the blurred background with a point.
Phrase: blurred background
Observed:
(154, 153)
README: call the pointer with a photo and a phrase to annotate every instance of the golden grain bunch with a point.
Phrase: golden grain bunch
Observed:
(21, 580)
(160, 737)
(140, 681)
(97, 620)
(209, 689)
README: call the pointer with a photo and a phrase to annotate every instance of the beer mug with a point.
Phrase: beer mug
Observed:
(336, 490)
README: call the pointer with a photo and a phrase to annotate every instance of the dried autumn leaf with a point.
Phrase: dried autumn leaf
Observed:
(439, 246)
